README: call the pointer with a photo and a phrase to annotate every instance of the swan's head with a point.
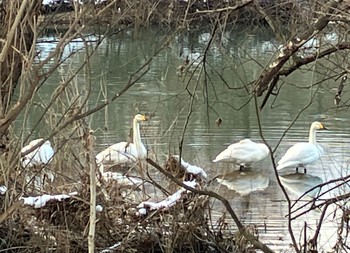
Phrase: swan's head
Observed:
(140, 117)
(318, 126)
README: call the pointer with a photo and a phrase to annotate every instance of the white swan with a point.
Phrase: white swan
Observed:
(123, 152)
(39, 156)
(243, 152)
(303, 153)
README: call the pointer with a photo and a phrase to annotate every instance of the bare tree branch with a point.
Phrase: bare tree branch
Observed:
(223, 200)
(264, 82)
(229, 8)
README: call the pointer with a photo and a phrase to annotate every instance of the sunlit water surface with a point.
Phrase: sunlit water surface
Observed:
(162, 92)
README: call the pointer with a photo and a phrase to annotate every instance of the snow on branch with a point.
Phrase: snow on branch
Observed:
(166, 203)
(3, 189)
(192, 169)
(111, 248)
(40, 201)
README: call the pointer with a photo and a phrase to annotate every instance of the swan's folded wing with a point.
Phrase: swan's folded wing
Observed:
(244, 151)
(300, 153)
(118, 153)
(224, 156)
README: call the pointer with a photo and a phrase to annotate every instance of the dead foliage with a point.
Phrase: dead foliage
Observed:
(62, 226)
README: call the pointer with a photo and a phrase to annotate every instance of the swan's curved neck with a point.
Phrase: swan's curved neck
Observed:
(136, 133)
(312, 135)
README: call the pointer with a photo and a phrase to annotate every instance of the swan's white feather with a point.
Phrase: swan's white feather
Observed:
(123, 152)
(300, 154)
(303, 153)
(119, 153)
(243, 152)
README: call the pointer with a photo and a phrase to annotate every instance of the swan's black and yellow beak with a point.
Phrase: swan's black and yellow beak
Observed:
(141, 117)
(145, 117)
(323, 127)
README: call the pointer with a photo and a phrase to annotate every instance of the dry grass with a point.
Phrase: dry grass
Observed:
(62, 226)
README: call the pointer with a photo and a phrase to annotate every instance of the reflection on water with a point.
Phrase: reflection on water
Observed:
(221, 93)
(244, 182)
(299, 183)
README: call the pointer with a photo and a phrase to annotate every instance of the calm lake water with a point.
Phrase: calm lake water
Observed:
(162, 92)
